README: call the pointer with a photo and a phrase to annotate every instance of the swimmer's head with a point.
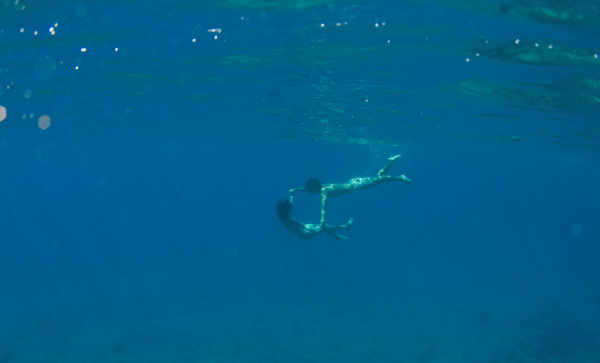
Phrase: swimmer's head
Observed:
(284, 209)
(313, 186)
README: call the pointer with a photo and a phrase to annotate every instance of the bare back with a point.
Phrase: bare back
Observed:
(336, 190)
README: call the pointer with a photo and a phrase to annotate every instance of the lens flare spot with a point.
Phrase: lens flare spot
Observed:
(44, 122)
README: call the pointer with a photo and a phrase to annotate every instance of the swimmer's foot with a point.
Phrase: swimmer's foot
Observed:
(387, 166)
(349, 224)
(405, 179)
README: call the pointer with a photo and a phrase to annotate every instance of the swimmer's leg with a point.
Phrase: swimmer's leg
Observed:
(389, 178)
(403, 179)
(382, 175)
(329, 227)
(337, 236)
(349, 224)
(389, 164)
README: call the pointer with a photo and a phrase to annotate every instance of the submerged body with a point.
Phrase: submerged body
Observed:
(336, 190)
(306, 231)
(313, 186)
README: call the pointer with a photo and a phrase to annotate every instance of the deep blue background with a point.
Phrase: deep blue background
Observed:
(141, 225)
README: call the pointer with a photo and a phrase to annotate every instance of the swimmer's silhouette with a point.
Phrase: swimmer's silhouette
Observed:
(314, 186)
(306, 231)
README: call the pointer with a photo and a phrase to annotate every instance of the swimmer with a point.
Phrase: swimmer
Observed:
(314, 186)
(306, 231)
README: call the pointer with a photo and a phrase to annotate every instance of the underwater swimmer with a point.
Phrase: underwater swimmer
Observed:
(314, 186)
(306, 231)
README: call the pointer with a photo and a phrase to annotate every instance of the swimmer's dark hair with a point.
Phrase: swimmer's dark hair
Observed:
(284, 209)
(313, 186)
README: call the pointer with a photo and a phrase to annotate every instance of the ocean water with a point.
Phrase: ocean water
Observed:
(144, 145)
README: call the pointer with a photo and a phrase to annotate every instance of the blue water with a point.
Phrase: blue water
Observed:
(145, 145)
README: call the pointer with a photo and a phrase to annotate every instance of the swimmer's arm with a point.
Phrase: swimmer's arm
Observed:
(323, 209)
(292, 191)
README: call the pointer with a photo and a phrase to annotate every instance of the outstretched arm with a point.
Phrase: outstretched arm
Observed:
(323, 209)
(292, 191)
